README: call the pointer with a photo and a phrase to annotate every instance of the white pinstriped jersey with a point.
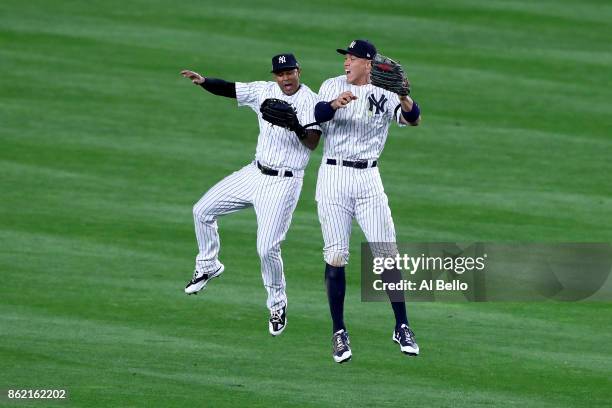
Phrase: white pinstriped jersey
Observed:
(359, 131)
(277, 147)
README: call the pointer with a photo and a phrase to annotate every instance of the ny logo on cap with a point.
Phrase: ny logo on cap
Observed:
(282, 59)
(352, 44)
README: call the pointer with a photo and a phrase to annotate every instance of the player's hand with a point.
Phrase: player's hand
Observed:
(342, 100)
(194, 76)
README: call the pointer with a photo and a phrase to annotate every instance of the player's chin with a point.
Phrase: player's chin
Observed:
(289, 89)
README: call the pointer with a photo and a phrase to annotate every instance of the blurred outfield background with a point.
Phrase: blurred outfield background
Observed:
(104, 149)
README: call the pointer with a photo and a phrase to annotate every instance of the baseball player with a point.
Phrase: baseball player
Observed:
(355, 116)
(271, 183)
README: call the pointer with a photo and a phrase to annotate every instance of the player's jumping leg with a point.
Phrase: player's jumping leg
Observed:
(374, 217)
(229, 195)
(274, 206)
(336, 219)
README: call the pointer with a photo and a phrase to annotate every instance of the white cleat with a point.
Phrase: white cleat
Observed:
(405, 338)
(201, 279)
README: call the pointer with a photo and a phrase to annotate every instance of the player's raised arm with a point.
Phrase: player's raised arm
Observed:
(389, 74)
(213, 85)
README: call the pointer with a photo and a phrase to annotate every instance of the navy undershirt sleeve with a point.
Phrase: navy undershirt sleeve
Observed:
(324, 112)
(220, 87)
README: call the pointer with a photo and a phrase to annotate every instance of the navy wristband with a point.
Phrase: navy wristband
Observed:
(324, 112)
(414, 113)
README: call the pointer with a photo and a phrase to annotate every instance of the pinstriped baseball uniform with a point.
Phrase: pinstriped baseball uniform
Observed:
(274, 198)
(356, 133)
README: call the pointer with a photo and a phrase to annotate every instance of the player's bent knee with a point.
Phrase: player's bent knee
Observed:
(200, 213)
(336, 258)
(197, 212)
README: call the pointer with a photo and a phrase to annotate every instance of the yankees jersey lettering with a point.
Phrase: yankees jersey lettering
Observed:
(277, 147)
(358, 131)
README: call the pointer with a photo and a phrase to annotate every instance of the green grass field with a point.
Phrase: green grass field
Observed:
(104, 148)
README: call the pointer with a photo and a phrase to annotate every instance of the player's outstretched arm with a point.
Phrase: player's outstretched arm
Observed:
(196, 78)
(212, 85)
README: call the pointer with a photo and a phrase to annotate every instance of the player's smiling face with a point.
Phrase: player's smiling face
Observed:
(357, 69)
(288, 81)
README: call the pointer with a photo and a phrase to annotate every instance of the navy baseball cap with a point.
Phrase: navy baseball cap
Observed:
(284, 62)
(360, 48)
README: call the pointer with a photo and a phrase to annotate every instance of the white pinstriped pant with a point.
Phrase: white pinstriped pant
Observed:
(274, 200)
(344, 193)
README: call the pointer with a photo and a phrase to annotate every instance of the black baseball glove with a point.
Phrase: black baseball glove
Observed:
(389, 75)
(283, 114)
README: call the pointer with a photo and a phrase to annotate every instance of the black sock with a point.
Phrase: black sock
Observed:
(335, 282)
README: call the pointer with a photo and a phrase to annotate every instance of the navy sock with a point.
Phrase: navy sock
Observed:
(399, 310)
(335, 282)
(396, 297)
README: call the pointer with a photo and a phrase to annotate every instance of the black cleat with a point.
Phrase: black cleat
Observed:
(278, 321)
(405, 338)
(341, 344)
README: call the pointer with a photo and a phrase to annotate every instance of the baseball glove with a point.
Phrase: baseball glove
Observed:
(389, 75)
(281, 113)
